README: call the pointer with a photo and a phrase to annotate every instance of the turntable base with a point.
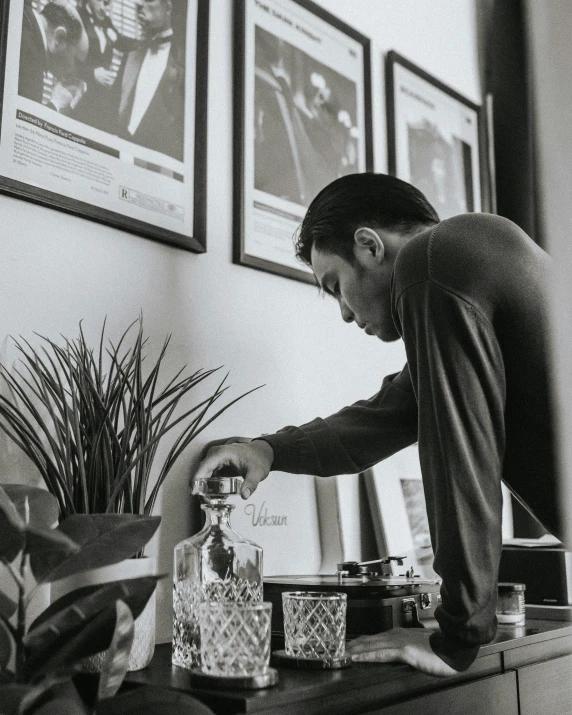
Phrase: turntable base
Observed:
(375, 603)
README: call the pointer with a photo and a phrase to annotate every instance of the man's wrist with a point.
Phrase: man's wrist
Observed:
(267, 449)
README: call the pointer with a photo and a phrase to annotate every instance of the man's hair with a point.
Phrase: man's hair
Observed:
(375, 200)
(60, 14)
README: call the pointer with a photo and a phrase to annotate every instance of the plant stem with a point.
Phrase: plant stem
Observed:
(21, 624)
(15, 575)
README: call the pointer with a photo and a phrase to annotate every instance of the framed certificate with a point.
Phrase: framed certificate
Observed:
(104, 112)
(436, 139)
(302, 119)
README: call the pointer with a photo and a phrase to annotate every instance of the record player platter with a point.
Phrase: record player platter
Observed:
(376, 601)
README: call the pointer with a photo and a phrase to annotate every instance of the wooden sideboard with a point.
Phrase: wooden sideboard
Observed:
(525, 671)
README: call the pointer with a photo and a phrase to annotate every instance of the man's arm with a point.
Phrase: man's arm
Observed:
(347, 442)
(458, 372)
(354, 438)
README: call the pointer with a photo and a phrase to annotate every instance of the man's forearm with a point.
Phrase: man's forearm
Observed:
(354, 438)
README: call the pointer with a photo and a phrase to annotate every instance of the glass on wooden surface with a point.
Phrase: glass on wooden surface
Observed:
(314, 624)
(510, 604)
(235, 638)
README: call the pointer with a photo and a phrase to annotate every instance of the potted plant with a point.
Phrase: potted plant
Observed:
(91, 421)
(38, 661)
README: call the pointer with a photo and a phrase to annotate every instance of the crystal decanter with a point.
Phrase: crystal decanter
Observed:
(216, 564)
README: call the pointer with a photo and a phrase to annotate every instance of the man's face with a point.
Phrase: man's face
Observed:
(99, 8)
(154, 15)
(362, 289)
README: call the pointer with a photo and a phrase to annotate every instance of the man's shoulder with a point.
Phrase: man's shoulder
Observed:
(474, 254)
(476, 238)
(474, 225)
(30, 26)
(463, 250)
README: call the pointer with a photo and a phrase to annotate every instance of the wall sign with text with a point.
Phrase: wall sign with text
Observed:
(302, 119)
(108, 122)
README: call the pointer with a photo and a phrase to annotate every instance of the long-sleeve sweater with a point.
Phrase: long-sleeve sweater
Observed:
(470, 300)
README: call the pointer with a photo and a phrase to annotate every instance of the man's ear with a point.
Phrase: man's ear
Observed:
(369, 242)
(60, 35)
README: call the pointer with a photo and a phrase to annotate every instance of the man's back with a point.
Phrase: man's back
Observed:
(487, 277)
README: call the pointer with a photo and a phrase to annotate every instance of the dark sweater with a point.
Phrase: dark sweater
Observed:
(470, 300)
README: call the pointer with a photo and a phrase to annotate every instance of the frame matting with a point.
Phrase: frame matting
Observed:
(73, 144)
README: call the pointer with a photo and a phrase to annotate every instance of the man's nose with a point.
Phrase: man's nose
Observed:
(347, 314)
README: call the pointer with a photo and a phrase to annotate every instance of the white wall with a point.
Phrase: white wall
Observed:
(58, 269)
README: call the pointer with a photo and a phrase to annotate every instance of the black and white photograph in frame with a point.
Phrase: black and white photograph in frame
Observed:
(104, 112)
(436, 139)
(302, 119)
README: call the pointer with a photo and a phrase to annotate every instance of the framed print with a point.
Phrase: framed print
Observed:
(104, 112)
(436, 139)
(399, 515)
(302, 119)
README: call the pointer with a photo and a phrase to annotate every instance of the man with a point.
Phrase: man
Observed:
(468, 296)
(100, 100)
(151, 110)
(53, 40)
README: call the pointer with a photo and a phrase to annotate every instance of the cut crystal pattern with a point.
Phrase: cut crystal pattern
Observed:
(314, 627)
(187, 595)
(235, 638)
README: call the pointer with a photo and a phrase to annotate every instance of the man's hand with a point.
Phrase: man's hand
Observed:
(66, 94)
(105, 77)
(251, 459)
(402, 645)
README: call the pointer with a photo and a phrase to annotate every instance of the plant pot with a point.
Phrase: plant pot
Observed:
(144, 638)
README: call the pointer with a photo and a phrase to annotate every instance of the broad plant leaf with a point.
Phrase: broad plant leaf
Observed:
(46, 548)
(70, 618)
(116, 660)
(63, 700)
(104, 539)
(6, 646)
(23, 697)
(64, 705)
(150, 700)
(12, 527)
(91, 636)
(12, 696)
(7, 606)
(43, 508)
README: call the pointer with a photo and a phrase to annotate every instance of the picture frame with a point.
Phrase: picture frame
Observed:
(131, 153)
(398, 512)
(437, 139)
(302, 118)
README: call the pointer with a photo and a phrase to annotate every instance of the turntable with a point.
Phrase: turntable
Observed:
(377, 601)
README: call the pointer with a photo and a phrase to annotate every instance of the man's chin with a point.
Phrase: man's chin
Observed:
(387, 336)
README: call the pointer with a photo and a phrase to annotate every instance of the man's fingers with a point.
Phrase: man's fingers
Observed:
(215, 459)
(251, 481)
(367, 643)
(367, 646)
(379, 655)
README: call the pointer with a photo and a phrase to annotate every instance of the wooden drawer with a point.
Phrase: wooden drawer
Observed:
(489, 696)
(546, 687)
